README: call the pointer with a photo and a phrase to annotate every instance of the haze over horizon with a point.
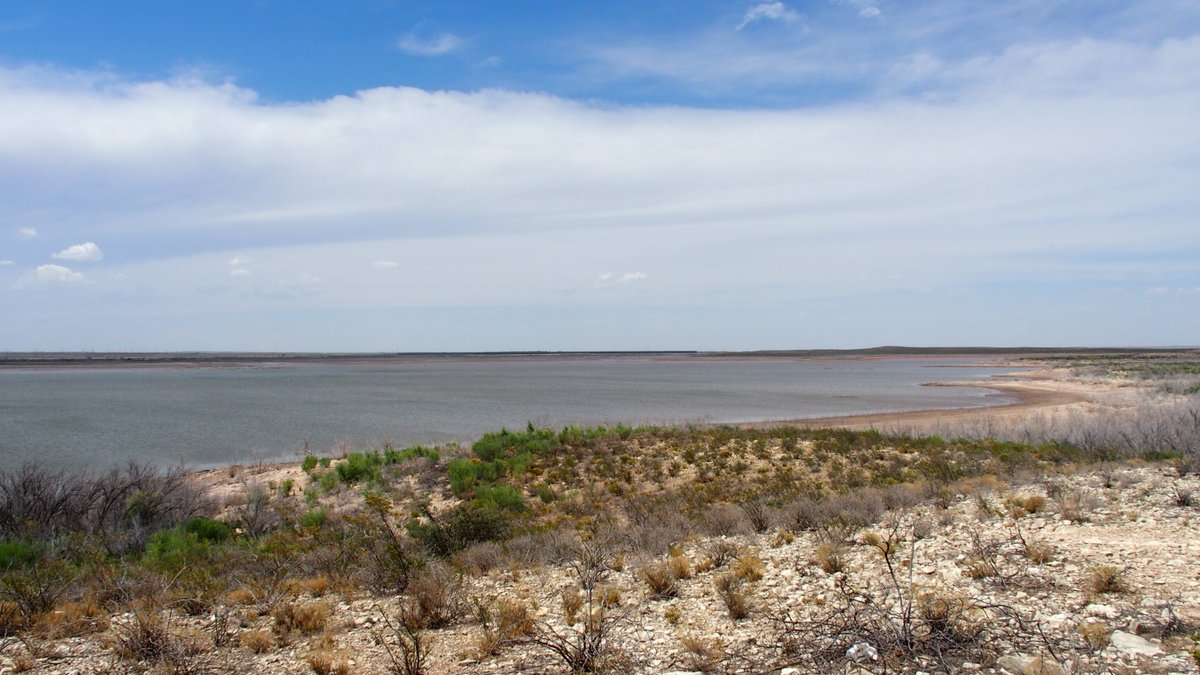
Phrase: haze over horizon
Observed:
(377, 176)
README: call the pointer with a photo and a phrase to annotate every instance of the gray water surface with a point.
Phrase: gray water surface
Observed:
(207, 416)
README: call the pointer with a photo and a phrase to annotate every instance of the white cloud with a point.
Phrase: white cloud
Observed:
(57, 274)
(419, 44)
(87, 251)
(385, 264)
(1039, 167)
(768, 11)
(870, 12)
(611, 279)
(27, 232)
(5, 263)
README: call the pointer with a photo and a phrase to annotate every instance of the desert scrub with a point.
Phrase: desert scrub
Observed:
(661, 579)
(1106, 579)
(749, 568)
(308, 617)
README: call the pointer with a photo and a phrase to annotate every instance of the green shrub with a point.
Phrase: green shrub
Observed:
(465, 524)
(360, 466)
(309, 463)
(18, 553)
(328, 480)
(314, 519)
(175, 549)
(207, 529)
(501, 496)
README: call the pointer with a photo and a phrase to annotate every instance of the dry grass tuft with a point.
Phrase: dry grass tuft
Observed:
(731, 590)
(306, 618)
(830, 557)
(326, 663)
(258, 641)
(1107, 579)
(661, 579)
(749, 568)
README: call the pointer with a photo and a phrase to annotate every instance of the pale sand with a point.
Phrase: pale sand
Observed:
(1044, 391)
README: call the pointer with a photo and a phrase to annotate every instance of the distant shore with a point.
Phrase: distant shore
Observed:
(1040, 391)
(244, 359)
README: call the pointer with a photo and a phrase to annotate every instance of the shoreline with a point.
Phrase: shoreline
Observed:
(1036, 391)
(1039, 391)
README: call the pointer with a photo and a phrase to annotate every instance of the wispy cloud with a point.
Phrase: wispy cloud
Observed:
(87, 251)
(239, 272)
(4, 263)
(612, 279)
(57, 274)
(27, 233)
(385, 264)
(768, 11)
(418, 43)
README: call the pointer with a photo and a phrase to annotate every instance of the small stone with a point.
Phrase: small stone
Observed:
(1133, 645)
(862, 652)
(1023, 664)
(1104, 611)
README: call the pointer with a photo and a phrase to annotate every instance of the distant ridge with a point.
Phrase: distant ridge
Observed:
(893, 350)
(14, 359)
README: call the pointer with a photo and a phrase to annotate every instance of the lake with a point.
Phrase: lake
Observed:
(211, 416)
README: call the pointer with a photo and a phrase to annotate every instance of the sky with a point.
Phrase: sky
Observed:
(412, 175)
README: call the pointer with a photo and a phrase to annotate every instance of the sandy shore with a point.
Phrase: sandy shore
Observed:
(1043, 391)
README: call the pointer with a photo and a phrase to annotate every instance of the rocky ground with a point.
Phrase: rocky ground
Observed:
(1095, 572)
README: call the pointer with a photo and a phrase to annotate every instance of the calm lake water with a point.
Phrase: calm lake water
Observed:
(209, 416)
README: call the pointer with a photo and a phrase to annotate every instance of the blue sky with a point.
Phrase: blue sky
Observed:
(405, 176)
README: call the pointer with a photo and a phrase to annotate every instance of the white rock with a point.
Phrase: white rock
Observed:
(862, 652)
(1104, 611)
(1133, 645)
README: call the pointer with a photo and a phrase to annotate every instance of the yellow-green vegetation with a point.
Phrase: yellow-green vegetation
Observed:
(387, 521)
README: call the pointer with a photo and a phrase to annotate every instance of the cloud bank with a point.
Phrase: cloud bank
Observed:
(1059, 174)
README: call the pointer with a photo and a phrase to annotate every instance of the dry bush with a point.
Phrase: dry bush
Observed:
(1076, 506)
(731, 589)
(720, 552)
(782, 538)
(704, 654)
(308, 617)
(572, 601)
(588, 647)
(909, 628)
(830, 557)
(1020, 506)
(407, 646)
(661, 579)
(609, 596)
(680, 566)
(1038, 552)
(1106, 579)
(148, 638)
(257, 641)
(1183, 496)
(325, 662)
(507, 622)
(241, 596)
(758, 513)
(74, 619)
(1095, 634)
(479, 559)
(119, 508)
(435, 599)
(724, 520)
(749, 568)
